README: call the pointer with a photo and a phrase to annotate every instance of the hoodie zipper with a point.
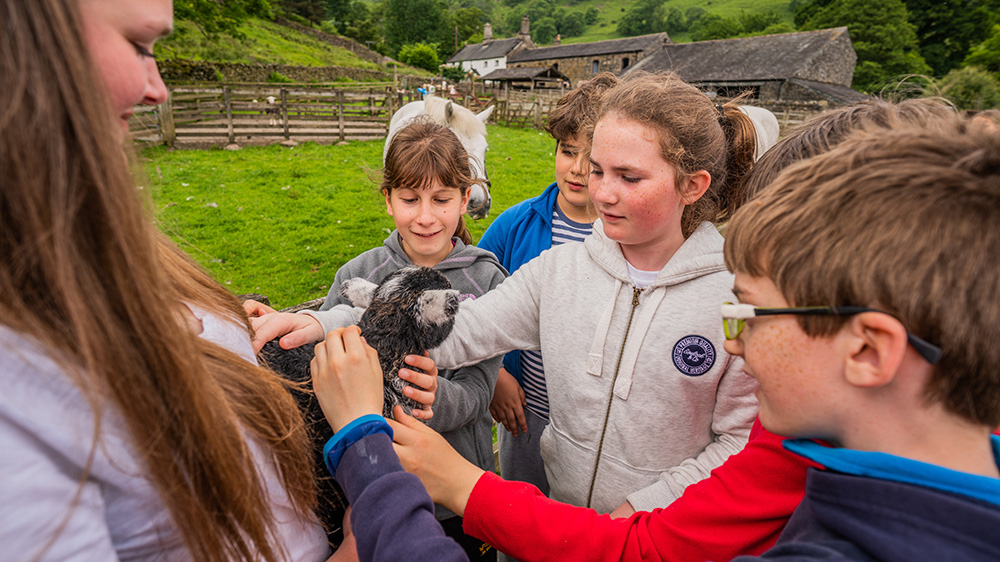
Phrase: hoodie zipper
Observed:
(611, 397)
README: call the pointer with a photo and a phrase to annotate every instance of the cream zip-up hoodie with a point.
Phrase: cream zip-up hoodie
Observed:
(644, 401)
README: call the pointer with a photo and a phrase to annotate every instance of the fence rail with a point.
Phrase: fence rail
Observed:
(252, 114)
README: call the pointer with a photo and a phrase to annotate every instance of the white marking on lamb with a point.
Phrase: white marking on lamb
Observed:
(390, 287)
(359, 291)
(432, 306)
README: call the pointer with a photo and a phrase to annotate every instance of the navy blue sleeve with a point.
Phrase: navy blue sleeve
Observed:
(392, 516)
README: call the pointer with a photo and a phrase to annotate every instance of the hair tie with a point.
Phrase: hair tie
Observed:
(721, 110)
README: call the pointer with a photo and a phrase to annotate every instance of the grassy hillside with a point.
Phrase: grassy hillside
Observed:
(611, 12)
(264, 42)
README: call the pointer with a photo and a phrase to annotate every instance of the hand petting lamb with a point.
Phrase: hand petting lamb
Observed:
(413, 310)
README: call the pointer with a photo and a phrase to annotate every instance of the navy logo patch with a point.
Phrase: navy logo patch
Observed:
(694, 355)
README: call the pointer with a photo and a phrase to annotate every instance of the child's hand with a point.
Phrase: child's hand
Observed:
(255, 308)
(507, 406)
(448, 477)
(347, 378)
(293, 329)
(426, 380)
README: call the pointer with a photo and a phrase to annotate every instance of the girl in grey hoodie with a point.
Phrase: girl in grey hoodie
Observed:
(644, 401)
(426, 188)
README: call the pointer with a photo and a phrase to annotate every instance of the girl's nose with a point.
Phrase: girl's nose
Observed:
(156, 90)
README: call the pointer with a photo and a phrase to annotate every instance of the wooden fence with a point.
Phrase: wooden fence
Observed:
(254, 114)
(247, 114)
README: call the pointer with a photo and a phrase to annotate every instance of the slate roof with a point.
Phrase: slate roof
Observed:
(525, 73)
(611, 46)
(478, 51)
(768, 57)
(835, 92)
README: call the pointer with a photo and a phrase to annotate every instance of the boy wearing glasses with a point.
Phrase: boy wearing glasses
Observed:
(879, 335)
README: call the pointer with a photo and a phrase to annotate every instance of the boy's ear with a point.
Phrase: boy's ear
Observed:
(875, 346)
(695, 186)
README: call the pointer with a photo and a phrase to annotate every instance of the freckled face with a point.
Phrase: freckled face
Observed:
(572, 175)
(426, 219)
(120, 35)
(635, 193)
(797, 373)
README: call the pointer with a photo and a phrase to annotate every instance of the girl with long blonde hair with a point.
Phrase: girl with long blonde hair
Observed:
(134, 421)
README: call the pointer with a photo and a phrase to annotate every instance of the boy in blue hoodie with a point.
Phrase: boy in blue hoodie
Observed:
(869, 315)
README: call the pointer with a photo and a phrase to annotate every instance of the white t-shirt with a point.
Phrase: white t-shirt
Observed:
(47, 434)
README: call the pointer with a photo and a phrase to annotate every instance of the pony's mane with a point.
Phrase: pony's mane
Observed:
(464, 122)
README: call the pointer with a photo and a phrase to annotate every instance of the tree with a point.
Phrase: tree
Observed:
(591, 15)
(713, 26)
(969, 88)
(572, 25)
(885, 41)
(986, 55)
(645, 16)
(420, 55)
(415, 21)
(220, 17)
(543, 30)
(310, 10)
(946, 30)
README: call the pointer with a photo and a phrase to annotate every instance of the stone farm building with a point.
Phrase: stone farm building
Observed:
(491, 54)
(804, 66)
(582, 61)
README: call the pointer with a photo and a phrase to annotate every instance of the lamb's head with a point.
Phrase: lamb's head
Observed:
(414, 300)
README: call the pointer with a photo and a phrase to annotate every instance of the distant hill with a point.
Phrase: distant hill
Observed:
(609, 14)
(263, 42)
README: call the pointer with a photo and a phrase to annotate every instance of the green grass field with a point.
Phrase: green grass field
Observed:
(281, 221)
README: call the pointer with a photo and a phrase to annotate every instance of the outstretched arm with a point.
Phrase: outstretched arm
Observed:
(740, 509)
(502, 320)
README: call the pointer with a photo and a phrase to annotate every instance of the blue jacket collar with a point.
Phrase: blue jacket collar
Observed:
(898, 469)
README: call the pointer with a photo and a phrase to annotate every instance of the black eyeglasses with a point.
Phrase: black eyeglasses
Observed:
(734, 318)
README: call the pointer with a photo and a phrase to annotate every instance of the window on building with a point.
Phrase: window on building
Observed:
(624, 63)
(496, 62)
(595, 67)
(555, 66)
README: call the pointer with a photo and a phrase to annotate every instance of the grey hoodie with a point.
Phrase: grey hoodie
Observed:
(644, 400)
(462, 403)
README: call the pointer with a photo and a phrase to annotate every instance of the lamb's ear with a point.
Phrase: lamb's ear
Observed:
(437, 307)
(359, 291)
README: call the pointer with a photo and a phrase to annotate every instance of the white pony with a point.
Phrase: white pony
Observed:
(469, 127)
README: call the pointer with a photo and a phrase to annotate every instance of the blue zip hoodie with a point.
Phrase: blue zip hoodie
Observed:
(516, 237)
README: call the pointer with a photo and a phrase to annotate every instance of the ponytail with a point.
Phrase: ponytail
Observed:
(741, 145)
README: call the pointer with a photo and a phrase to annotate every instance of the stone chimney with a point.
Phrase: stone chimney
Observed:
(524, 29)
(487, 32)
(557, 40)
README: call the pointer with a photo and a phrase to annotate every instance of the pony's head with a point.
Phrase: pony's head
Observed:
(469, 127)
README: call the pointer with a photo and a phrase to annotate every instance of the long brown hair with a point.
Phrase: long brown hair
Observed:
(424, 151)
(85, 275)
(695, 134)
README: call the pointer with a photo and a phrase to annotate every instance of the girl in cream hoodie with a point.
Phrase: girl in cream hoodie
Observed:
(644, 401)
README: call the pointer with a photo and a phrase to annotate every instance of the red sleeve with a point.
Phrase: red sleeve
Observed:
(740, 509)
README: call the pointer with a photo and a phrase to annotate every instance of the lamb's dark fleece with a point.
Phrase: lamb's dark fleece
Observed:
(411, 311)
